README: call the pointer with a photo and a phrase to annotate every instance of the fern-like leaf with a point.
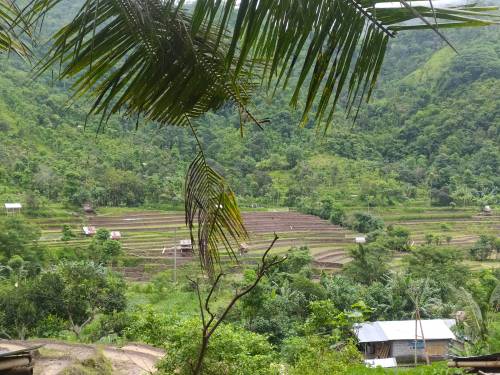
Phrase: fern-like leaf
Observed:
(211, 210)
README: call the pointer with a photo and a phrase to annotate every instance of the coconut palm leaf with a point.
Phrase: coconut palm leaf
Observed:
(475, 324)
(211, 207)
(11, 26)
(143, 58)
(344, 41)
(495, 298)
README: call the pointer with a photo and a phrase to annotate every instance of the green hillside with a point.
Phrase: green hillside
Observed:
(430, 132)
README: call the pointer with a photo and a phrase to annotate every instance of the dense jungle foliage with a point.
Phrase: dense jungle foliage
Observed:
(430, 133)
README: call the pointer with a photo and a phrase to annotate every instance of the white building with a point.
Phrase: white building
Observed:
(396, 339)
(89, 230)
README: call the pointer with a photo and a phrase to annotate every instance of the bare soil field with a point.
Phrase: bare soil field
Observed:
(56, 356)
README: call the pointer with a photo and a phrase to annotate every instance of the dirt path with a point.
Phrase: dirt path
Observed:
(55, 356)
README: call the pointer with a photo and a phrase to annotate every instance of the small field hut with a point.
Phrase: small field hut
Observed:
(115, 235)
(89, 230)
(185, 246)
(397, 339)
(87, 208)
(13, 208)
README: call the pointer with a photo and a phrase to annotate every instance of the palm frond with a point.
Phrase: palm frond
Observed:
(11, 25)
(344, 40)
(475, 325)
(142, 57)
(211, 208)
(495, 298)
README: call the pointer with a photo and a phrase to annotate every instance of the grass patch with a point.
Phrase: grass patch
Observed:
(97, 365)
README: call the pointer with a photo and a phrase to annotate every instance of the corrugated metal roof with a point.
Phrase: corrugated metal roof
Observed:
(434, 329)
(13, 205)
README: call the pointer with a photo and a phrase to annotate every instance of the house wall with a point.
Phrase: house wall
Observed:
(404, 350)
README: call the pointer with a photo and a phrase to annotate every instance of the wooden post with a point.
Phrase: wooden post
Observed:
(415, 344)
(175, 255)
(423, 339)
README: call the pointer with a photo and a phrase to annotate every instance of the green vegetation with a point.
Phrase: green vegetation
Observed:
(98, 365)
(411, 173)
(290, 320)
(440, 146)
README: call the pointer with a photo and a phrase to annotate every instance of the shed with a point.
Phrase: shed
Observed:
(360, 239)
(13, 208)
(19, 361)
(115, 235)
(386, 339)
(89, 230)
(487, 210)
(185, 246)
(243, 248)
(87, 208)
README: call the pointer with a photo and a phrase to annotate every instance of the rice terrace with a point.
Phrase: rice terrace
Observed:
(149, 237)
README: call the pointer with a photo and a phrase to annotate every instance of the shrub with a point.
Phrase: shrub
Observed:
(97, 365)
(50, 326)
(337, 215)
(365, 222)
(232, 350)
(484, 247)
(67, 233)
(314, 355)
(398, 238)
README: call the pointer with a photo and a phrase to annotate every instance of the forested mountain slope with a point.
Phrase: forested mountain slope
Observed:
(431, 130)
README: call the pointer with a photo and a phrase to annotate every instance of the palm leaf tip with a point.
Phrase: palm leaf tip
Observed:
(344, 41)
(212, 214)
(13, 26)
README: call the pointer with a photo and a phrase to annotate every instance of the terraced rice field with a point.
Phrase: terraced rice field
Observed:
(149, 238)
(463, 226)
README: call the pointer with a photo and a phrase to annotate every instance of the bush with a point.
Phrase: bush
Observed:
(365, 222)
(97, 365)
(337, 215)
(109, 326)
(314, 355)
(50, 326)
(398, 238)
(232, 350)
(67, 233)
(484, 247)
(441, 197)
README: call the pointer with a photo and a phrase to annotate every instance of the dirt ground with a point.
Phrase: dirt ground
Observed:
(55, 356)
